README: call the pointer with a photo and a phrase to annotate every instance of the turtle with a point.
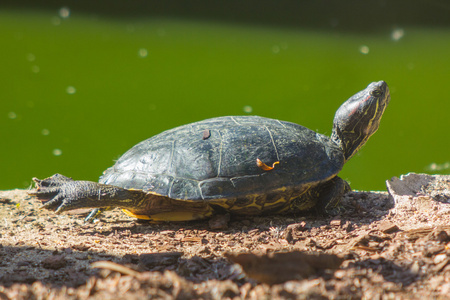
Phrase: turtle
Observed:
(241, 165)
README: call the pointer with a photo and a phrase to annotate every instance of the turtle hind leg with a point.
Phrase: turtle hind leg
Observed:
(329, 195)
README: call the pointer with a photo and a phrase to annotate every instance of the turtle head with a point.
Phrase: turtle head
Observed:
(359, 117)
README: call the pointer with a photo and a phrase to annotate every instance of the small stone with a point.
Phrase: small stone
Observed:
(442, 236)
(54, 262)
(415, 268)
(339, 274)
(439, 258)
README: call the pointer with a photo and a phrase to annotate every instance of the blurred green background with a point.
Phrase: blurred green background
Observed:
(83, 81)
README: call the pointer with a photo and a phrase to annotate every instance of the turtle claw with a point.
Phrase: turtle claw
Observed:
(52, 192)
(49, 188)
(54, 203)
(55, 180)
(44, 193)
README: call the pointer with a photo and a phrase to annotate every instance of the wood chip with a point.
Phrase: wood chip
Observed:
(108, 265)
(335, 222)
(388, 227)
(206, 134)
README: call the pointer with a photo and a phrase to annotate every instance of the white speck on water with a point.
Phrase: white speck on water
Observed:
(397, 34)
(45, 131)
(64, 12)
(57, 152)
(143, 52)
(56, 21)
(439, 167)
(12, 115)
(35, 69)
(364, 49)
(248, 109)
(70, 90)
(31, 57)
(275, 49)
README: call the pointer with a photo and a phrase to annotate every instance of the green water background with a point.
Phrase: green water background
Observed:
(78, 89)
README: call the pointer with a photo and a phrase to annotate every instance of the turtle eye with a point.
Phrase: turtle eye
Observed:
(376, 93)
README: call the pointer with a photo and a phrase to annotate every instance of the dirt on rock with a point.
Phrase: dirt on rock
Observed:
(380, 246)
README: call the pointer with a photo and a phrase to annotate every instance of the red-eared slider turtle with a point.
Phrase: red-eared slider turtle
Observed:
(244, 165)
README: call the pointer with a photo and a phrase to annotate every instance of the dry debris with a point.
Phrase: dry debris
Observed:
(280, 267)
(381, 246)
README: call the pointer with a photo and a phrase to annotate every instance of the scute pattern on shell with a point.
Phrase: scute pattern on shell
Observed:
(181, 164)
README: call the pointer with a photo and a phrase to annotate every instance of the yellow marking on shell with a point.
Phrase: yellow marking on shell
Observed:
(235, 208)
(174, 216)
(265, 167)
(253, 199)
(129, 213)
(281, 200)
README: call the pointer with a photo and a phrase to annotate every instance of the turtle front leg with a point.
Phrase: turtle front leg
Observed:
(329, 195)
(61, 193)
(323, 198)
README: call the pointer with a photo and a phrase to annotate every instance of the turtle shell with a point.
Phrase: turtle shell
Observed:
(217, 159)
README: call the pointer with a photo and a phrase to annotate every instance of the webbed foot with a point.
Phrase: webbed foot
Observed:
(52, 191)
(60, 193)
